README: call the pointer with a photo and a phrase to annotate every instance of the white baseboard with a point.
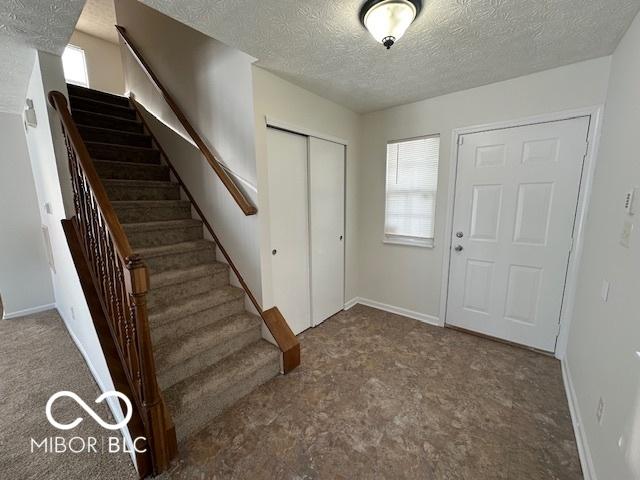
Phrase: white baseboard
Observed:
(29, 311)
(422, 317)
(586, 461)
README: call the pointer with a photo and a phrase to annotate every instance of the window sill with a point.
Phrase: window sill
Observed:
(409, 242)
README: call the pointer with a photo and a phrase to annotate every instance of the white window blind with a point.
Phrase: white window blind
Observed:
(75, 66)
(412, 180)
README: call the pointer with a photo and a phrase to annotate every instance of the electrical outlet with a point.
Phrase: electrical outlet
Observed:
(600, 411)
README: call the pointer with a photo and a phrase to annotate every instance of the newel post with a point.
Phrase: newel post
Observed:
(150, 393)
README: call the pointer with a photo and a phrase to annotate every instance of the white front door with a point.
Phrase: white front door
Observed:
(289, 223)
(326, 228)
(515, 205)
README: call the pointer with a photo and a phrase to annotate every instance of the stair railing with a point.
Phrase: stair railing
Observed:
(122, 281)
(243, 202)
(273, 318)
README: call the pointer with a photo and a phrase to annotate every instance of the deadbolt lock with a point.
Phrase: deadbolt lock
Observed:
(459, 234)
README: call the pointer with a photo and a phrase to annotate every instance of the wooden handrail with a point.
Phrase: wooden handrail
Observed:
(273, 318)
(243, 202)
(121, 281)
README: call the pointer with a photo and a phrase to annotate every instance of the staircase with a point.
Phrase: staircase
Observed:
(209, 351)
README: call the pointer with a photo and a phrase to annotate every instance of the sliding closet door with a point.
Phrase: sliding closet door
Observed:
(326, 226)
(289, 219)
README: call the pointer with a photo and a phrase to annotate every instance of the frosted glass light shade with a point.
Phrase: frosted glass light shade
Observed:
(388, 20)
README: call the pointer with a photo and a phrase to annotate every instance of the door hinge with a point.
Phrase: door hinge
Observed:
(460, 139)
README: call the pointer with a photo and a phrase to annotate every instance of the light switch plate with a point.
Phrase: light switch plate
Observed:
(625, 238)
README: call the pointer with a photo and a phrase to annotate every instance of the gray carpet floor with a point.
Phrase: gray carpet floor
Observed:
(37, 359)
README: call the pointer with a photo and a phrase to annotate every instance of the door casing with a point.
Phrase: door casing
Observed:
(586, 184)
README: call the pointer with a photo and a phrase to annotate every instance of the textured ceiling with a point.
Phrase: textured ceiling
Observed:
(453, 45)
(26, 25)
(98, 19)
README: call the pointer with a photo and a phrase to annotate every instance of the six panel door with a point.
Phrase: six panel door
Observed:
(515, 205)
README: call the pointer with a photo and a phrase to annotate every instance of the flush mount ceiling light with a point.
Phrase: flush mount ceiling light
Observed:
(387, 20)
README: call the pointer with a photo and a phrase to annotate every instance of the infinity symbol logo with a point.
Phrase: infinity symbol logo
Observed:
(89, 410)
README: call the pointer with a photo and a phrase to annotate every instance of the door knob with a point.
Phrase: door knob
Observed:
(274, 251)
(459, 234)
(458, 248)
(340, 237)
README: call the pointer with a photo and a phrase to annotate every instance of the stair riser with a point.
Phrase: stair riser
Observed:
(105, 109)
(122, 192)
(139, 214)
(131, 172)
(217, 402)
(180, 260)
(197, 286)
(114, 123)
(119, 154)
(156, 238)
(193, 365)
(99, 96)
(117, 138)
(198, 320)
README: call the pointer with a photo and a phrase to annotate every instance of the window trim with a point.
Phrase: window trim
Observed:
(86, 69)
(392, 239)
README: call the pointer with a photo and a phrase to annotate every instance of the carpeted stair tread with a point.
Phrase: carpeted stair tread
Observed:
(85, 103)
(177, 255)
(198, 399)
(173, 249)
(105, 97)
(160, 225)
(112, 136)
(181, 275)
(184, 307)
(163, 232)
(137, 183)
(185, 355)
(172, 285)
(95, 119)
(119, 189)
(152, 210)
(118, 170)
(101, 151)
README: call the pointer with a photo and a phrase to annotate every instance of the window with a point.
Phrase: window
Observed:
(75, 66)
(412, 181)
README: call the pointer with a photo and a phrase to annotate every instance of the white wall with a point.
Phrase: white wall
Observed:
(212, 84)
(293, 105)
(605, 337)
(51, 177)
(417, 271)
(104, 63)
(23, 258)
